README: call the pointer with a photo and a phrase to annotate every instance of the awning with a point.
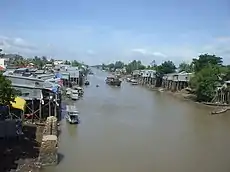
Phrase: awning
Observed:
(19, 103)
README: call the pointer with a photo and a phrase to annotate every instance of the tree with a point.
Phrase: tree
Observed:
(75, 63)
(111, 67)
(118, 65)
(67, 62)
(205, 82)
(204, 60)
(186, 67)
(134, 65)
(7, 93)
(226, 73)
(166, 67)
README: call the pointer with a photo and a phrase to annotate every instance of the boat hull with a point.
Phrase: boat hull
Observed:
(114, 83)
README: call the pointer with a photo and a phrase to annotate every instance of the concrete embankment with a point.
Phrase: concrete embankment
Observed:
(48, 151)
(46, 136)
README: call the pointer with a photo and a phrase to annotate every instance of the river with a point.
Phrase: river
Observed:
(133, 129)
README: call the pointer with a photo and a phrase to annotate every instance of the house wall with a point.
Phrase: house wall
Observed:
(2, 63)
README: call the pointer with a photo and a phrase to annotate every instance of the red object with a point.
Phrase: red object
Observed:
(2, 68)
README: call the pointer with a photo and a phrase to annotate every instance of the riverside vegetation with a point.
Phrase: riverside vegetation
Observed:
(209, 73)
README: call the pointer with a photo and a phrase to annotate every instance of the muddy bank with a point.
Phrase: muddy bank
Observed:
(20, 154)
(182, 95)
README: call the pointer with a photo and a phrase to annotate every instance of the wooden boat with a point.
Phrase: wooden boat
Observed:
(74, 95)
(72, 114)
(223, 110)
(87, 83)
(79, 89)
(128, 79)
(134, 82)
(112, 80)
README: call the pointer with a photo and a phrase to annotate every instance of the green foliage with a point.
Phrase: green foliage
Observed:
(134, 65)
(226, 72)
(67, 62)
(39, 62)
(75, 63)
(118, 65)
(204, 60)
(7, 93)
(186, 67)
(206, 81)
(166, 67)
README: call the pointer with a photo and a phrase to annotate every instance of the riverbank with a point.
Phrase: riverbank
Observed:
(20, 154)
(37, 147)
(183, 95)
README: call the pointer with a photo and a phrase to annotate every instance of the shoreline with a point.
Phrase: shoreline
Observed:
(182, 95)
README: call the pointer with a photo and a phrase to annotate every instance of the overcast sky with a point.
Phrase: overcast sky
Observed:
(96, 31)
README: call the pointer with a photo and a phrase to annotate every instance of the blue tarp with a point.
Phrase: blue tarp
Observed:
(58, 75)
(55, 89)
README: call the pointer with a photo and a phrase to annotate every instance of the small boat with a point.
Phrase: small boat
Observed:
(97, 85)
(161, 89)
(111, 80)
(87, 83)
(72, 114)
(74, 95)
(222, 110)
(134, 82)
(128, 79)
(79, 89)
(68, 92)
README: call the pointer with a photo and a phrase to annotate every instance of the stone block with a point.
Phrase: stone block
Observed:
(48, 151)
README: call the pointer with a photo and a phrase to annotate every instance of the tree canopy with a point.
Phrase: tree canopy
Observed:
(166, 67)
(204, 60)
(185, 67)
(7, 93)
(208, 75)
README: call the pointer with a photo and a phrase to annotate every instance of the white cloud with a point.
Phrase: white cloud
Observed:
(16, 45)
(219, 46)
(149, 53)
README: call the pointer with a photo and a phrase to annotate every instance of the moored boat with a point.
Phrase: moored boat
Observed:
(79, 89)
(112, 80)
(134, 82)
(72, 114)
(74, 95)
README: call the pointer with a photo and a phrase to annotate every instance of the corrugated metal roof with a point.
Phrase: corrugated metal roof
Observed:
(28, 92)
(21, 80)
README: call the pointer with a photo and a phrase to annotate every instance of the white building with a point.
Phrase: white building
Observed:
(3, 63)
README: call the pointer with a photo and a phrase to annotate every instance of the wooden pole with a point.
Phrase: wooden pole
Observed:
(40, 110)
(55, 106)
(49, 107)
(32, 110)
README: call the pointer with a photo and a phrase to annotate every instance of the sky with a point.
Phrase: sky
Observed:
(104, 31)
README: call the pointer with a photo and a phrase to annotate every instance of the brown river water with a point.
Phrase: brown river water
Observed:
(133, 129)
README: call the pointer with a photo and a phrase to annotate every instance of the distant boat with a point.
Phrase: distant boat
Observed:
(111, 80)
(87, 83)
